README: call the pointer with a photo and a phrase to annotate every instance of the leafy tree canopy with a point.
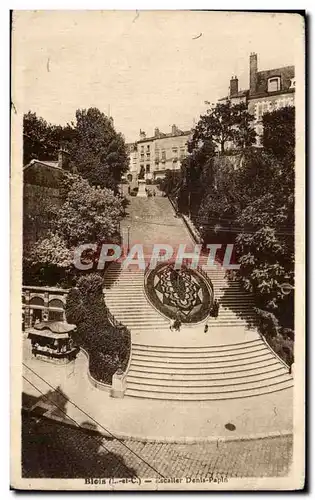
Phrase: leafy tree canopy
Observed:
(89, 214)
(97, 151)
(279, 132)
(42, 140)
(223, 123)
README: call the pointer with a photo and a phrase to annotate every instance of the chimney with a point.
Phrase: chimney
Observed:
(233, 86)
(253, 73)
(142, 134)
(156, 132)
(63, 159)
(174, 130)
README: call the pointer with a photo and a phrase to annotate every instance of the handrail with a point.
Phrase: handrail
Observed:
(45, 288)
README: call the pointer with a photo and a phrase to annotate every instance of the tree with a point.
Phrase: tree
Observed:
(279, 132)
(42, 140)
(97, 151)
(89, 214)
(47, 262)
(244, 135)
(224, 123)
(169, 182)
(265, 244)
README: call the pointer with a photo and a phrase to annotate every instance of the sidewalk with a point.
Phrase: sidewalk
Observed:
(149, 420)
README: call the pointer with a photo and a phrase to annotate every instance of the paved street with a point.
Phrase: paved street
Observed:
(56, 451)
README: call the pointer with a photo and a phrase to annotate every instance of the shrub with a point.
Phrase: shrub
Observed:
(268, 324)
(74, 307)
(281, 340)
(284, 347)
(108, 346)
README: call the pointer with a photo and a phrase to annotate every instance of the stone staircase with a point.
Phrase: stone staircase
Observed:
(210, 373)
(126, 299)
(193, 373)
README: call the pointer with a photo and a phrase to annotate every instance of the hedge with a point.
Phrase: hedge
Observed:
(108, 346)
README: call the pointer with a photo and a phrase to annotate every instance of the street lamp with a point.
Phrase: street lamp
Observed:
(200, 234)
(128, 240)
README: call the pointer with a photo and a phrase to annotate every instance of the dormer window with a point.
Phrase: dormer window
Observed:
(274, 84)
(292, 83)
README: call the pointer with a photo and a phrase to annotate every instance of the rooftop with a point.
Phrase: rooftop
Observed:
(53, 164)
(161, 135)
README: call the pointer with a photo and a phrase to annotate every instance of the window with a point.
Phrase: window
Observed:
(148, 147)
(147, 168)
(182, 153)
(163, 156)
(258, 111)
(148, 155)
(142, 156)
(274, 84)
(142, 149)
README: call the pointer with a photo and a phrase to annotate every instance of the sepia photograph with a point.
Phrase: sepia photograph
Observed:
(157, 250)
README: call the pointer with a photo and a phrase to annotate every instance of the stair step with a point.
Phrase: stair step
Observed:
(210, 370)
(208, 388)
(208, 378)
(211, 396)
(201, 361)
(202, 358)
(175, 365)
(223, 347)
(200, 355)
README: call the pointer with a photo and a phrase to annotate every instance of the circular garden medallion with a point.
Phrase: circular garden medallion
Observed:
(182, 290)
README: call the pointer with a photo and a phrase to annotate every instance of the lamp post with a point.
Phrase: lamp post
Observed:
(128, 239)
(200, 233)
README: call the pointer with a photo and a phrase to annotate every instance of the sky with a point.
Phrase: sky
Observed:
(147, 69)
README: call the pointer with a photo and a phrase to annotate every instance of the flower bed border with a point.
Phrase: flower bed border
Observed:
(199, 317)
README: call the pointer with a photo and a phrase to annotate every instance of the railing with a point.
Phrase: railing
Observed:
(112, 318)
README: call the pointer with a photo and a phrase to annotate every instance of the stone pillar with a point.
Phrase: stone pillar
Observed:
(27, 310)
(141, 184)
(118, 384)
(46, 306)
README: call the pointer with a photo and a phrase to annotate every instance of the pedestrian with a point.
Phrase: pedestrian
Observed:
(216, 307)
(172, 324)
(154, 193)
(177, 324)
(206, 328)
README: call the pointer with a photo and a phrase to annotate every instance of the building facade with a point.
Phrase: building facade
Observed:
(41, 182)
(40, 302)
(150, 157)
(269, 90)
